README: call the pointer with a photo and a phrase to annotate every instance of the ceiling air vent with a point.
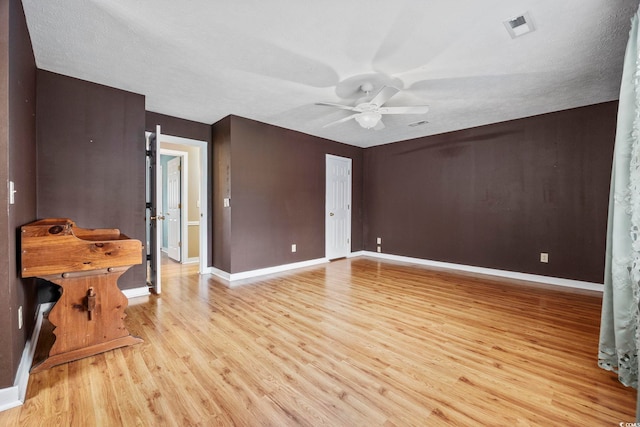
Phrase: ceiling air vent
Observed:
(519, 25)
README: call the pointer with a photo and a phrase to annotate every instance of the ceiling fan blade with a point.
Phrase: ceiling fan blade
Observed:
(346, 119)
(384, 95)
(413, 109)
(331, 104)
(487, 85)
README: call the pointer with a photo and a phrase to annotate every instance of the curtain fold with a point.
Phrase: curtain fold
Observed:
(618, 349)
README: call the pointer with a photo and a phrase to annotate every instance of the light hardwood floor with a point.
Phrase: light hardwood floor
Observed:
(357, 342)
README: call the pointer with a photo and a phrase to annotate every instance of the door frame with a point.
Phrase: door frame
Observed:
(204, 191)
(326, 204)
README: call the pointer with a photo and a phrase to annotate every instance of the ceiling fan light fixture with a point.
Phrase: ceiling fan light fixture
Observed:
(368, 119)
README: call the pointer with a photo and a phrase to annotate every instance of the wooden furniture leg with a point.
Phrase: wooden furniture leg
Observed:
(88, 318)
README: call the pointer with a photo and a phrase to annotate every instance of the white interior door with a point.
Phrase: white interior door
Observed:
(173, 214)
(338, 207)
(154, 209)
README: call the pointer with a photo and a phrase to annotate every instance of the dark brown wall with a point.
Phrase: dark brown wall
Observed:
(177, 127)
(221, 189)
(17, 163)
(7, 366)
(193, 130)
(91, 158)
(278, 194)
(496, 196)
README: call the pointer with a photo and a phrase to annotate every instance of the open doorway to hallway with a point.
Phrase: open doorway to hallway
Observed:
(183, 170)
(186, 237)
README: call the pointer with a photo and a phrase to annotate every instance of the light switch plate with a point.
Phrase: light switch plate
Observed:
(12, 193)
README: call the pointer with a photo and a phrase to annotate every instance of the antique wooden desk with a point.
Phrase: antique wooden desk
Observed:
(89, 316)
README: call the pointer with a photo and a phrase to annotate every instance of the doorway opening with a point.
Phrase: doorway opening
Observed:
(179, 210)
(178, 224)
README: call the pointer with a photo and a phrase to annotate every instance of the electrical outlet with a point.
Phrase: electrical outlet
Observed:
(379, 240)
(294, 248)
(544, 257)
(379, 250)
(20, 317)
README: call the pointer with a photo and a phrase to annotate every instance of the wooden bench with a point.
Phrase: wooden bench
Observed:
(88, 318)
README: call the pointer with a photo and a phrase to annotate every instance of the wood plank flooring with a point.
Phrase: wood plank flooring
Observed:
(357, 342)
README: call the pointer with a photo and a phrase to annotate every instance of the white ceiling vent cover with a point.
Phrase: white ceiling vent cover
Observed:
(519, 25)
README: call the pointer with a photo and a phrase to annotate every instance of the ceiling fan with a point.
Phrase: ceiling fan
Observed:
(369, 114)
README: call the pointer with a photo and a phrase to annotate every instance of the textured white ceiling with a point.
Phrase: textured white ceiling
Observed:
(272, 60)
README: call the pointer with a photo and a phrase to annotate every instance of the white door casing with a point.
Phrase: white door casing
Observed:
(173, 214)
(338, 207)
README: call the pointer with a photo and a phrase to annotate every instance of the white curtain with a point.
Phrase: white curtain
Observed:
(618, 350)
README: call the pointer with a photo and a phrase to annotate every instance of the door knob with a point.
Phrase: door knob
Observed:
(330, 213)
(157, 218)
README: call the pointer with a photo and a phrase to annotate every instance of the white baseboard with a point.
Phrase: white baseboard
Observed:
(11, 397)
(142, 291)
(277, 269)
(220, 273)
(491, 272)
(557, 281)
(230, 278)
